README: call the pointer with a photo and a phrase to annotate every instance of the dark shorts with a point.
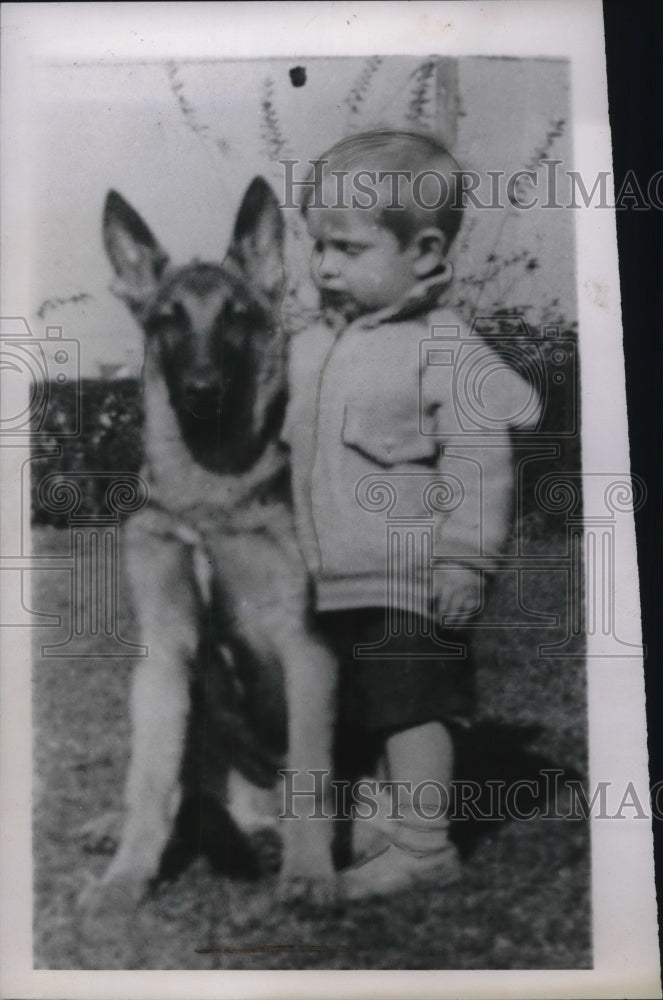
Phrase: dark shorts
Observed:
(409, 678)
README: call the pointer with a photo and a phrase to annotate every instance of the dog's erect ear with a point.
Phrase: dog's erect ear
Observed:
(137, 258)
(258, 237)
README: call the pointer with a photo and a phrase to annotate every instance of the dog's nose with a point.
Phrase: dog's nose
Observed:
(200, 386)
(202, 396)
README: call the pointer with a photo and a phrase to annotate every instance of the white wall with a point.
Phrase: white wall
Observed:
(181, 142)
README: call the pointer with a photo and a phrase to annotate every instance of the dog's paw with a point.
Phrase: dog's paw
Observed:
(268, 849)
(101, 835)
(107, 901)
(316, 890)
(108, 923)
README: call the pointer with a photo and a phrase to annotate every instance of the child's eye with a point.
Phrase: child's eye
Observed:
(339, 246)
(349, 249)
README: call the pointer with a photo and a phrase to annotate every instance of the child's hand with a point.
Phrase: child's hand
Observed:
(459, 591)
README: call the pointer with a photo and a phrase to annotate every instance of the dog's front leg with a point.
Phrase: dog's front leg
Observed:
(166, 605)
(307, 806)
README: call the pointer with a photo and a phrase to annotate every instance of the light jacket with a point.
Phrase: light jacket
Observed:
(399, 430)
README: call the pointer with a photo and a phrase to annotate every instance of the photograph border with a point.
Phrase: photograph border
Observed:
(626, 961)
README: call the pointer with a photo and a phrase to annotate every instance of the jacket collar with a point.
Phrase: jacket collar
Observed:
(423, 296)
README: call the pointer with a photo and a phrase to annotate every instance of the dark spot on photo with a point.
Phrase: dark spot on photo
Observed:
(298, 76)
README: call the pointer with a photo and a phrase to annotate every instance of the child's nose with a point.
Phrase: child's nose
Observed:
(327, 265)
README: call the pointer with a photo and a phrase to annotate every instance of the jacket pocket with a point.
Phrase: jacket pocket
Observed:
(386, 438)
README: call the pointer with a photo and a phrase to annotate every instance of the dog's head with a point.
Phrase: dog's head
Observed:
(215, 327)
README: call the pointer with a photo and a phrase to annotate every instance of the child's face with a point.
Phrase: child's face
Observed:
(356, 262)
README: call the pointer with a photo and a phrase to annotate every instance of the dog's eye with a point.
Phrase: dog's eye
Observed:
(235, 311)
(171, 312)
(237, 308)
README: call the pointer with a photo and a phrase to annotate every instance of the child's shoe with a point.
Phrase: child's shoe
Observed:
(371, 836)
(418, 851)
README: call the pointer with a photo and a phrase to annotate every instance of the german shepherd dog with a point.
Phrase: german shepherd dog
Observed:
(218, 582)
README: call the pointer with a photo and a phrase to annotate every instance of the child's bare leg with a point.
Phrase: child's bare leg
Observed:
(422, 755)
(418, 846)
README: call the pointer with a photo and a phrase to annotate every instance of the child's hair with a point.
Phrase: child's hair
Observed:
(427, 193)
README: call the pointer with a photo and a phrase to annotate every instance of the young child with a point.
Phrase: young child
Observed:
(383, 212)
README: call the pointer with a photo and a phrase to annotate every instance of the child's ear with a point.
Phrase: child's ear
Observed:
(430, 250)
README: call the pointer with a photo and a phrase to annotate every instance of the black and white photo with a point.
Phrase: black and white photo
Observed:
(318, 566)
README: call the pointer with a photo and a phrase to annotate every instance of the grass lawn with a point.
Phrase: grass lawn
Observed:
(524, 899)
